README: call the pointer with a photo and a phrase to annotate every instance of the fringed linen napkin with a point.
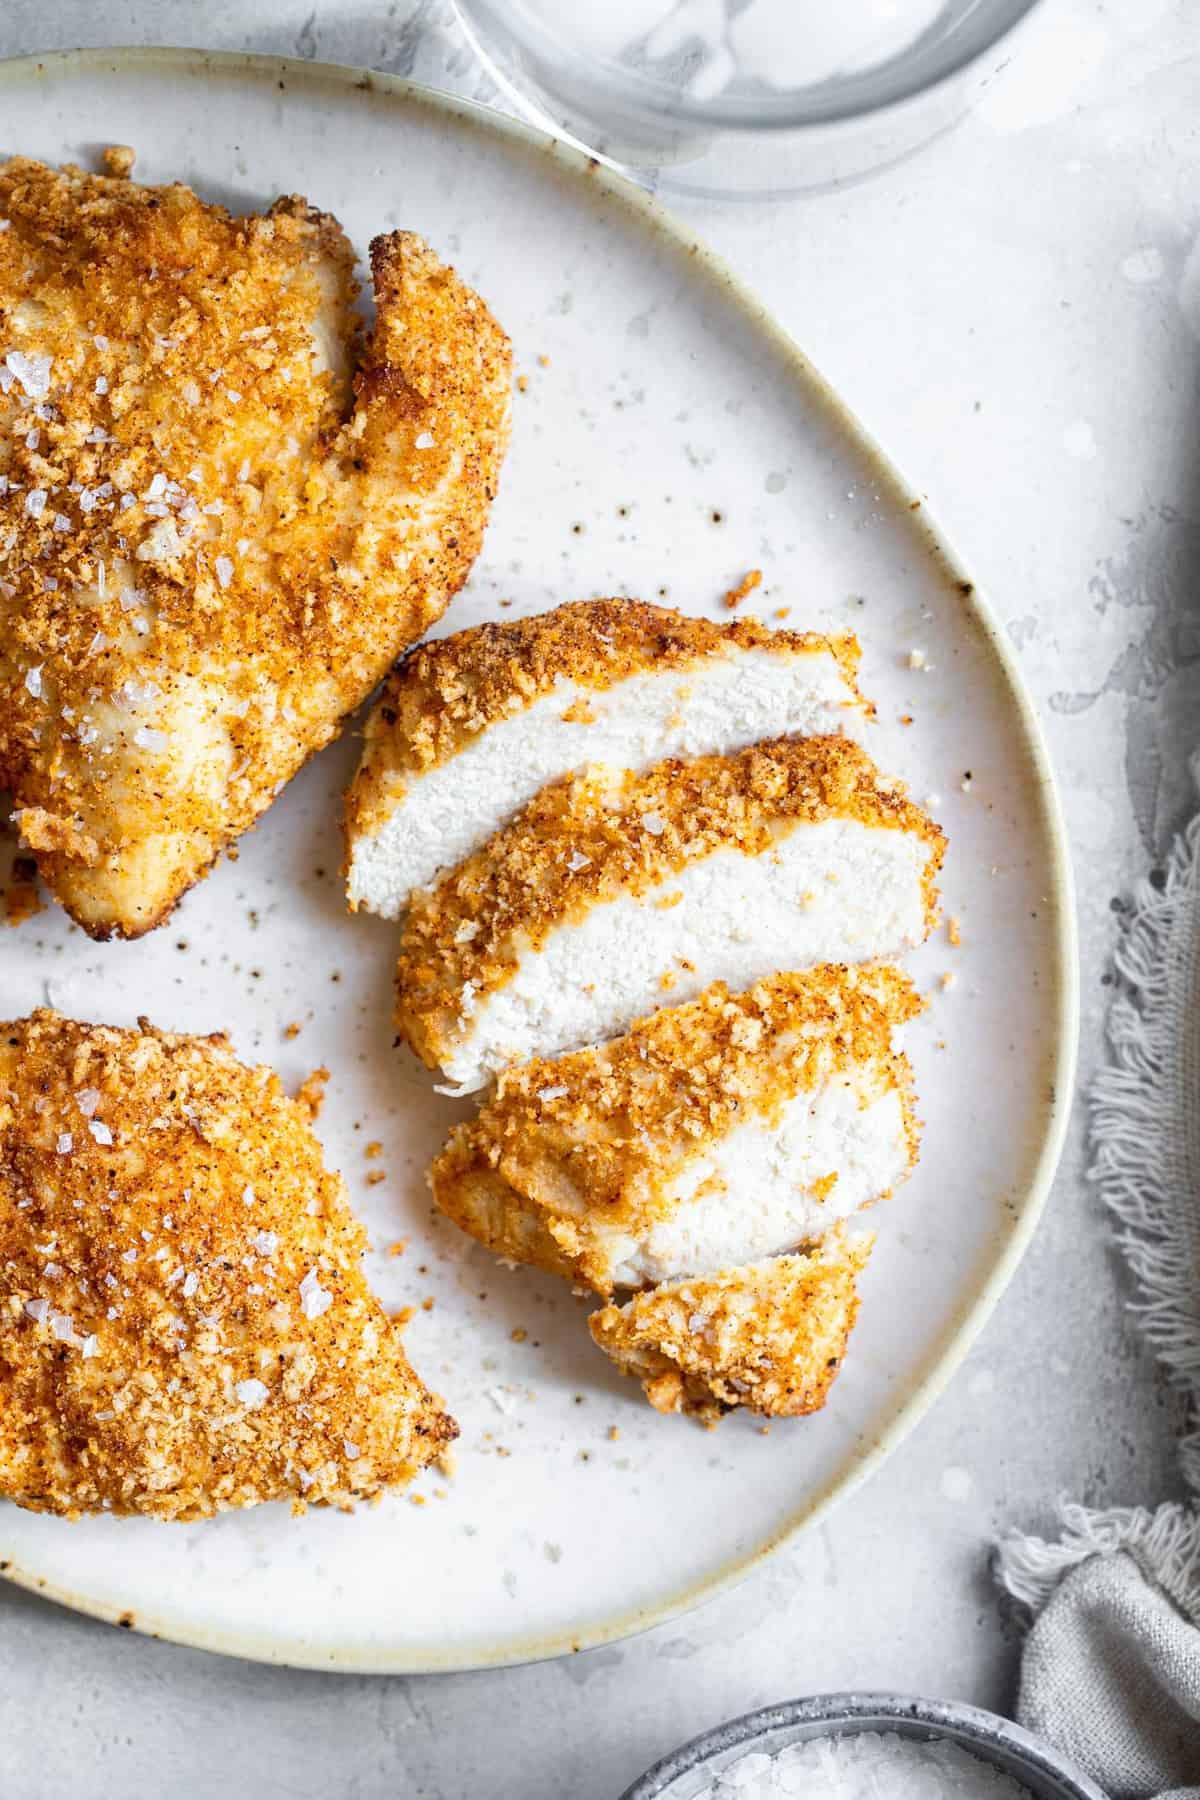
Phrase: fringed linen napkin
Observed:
(1110, 1672)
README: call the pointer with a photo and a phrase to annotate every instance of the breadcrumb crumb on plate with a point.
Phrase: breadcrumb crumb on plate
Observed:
(186, 1324)
(770, 1337)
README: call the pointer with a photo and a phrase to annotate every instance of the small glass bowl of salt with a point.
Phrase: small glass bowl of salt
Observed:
(866, 1747)
(757, 98)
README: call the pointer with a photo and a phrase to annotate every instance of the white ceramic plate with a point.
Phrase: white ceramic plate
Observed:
(670, 439)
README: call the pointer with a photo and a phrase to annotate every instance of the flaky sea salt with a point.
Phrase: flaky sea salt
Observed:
(100, 1131)
(33, 372)
(265, 1242)
(866, 1765)
(135, 693)
(224, 570)
(251, 1393)
(314, 1299)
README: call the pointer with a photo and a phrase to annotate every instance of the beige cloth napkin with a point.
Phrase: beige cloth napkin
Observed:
(1110, 1672)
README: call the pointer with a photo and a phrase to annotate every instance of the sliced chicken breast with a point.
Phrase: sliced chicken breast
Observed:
(186, 1324)
(222, 511)
(714, 1134)
(770, 1337)
(469, 728)
(611, 893)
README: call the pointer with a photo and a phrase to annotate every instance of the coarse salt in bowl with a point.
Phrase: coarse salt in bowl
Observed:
(866, 1747)
(866, 1765)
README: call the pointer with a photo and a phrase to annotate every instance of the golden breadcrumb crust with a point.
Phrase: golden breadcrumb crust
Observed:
(222, 511)
(769, 1337)
(595, 836)
(186, 1325)
(568, 1149)
(444, 694)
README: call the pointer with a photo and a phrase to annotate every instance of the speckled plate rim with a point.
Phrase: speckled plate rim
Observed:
(970, 1726)
(644, 211)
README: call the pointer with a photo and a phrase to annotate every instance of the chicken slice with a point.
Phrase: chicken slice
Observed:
(612, 891)
(187, 1327)
(469, 728)
(770, 1337)
(222, 510)
(714, 1134)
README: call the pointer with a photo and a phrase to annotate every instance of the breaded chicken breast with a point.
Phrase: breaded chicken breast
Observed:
(770, 1337)
(612, 892)
(186, 1325)
(469, 728)
(713, 1134)
(222, 510)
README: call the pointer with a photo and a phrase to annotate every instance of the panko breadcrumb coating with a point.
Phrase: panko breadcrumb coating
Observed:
(470, 727)
(223, 510)
(187, 1328)
(770, 1337)
(612, 891)
(738, 1120)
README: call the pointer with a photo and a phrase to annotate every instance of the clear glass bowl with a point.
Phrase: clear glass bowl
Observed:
(714, 98)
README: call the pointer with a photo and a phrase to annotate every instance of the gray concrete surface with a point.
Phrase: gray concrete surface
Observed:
(1016, 314)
